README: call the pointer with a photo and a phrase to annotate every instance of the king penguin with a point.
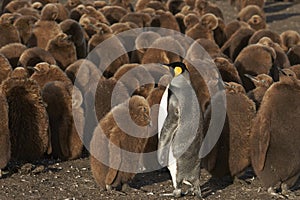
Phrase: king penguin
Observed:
(178, 136)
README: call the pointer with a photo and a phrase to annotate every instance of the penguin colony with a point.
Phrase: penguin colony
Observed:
(44, 42)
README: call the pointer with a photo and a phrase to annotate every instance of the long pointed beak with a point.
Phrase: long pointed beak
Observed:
(33, 68)
(251, 77)
(281, 71)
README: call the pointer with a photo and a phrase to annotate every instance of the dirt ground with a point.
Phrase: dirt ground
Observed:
(51, 179)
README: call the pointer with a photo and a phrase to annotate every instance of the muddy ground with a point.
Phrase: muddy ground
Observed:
(51, 179)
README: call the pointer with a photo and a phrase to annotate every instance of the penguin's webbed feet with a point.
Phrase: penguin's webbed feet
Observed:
(176, 193)
(273, 192)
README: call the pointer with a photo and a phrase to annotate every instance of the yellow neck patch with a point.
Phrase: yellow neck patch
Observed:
(177, 70)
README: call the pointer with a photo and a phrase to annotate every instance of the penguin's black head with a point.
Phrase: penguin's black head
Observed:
(176, 68)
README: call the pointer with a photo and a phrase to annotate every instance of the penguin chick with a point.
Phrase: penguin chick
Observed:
(63, 50)
(269, 139)
(289, 39)
(8, 33)
(25, 25)
(136, 79)
(46, 28)
(143, 40)
(13, 52)
(108, 163)
(275, 37)
(28, 143)
(231, 155)
(227, 70)
(45, 73)
(65, 141)
(32, 56)
(246, 13)
(294, 55)
(164, 19)
(262, 83)
(113, 13)
(257, 22)
(204, 29)
(76, 33)
(156, 54)
(238, 41)
(5, 146)
(281, 58)
(5, 68)
(254, 60)
(140, 19)
(203, 7)
(84, 74)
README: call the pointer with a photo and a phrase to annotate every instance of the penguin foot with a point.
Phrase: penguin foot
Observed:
(108, 188)
(272, 192)
(125, 187)
(286, 192)
(176, 193)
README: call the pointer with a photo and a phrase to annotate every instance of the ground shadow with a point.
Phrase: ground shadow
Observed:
(278, 17)
(150, 178)
(275, 7)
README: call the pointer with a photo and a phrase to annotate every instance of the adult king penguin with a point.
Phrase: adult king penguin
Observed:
(179, 140)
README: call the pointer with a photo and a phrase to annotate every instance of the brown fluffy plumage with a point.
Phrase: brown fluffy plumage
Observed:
(164, 19)
(274, 162)
(289, 39)
(294, 55)
(24, 25)
(227, 70)
(8, 33)
(140, 19)
(113, 13)
(262, 83)
(46, 28)
(5, 68)
(73, 29)
(63, 50)
(32, 56)
(231, 155)
(281, 59)
(45, 73)
(254, 59)
(136, 79)
(65, 141)
(237, 42)
(13, 52)
(144, 39)
(5, 146)
(28, 120)
(246, 13)
(204, 29)
(275, 37)
(203, 7)
(156, 54)
(139, 114)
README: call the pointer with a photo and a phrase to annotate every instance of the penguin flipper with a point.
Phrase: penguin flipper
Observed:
(263, 144)
(114, 159)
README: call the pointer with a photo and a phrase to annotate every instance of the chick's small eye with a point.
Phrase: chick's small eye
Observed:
(145, 110)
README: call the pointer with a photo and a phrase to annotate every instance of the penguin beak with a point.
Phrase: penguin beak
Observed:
(251, 77)
(281, 71)
(33, 68)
